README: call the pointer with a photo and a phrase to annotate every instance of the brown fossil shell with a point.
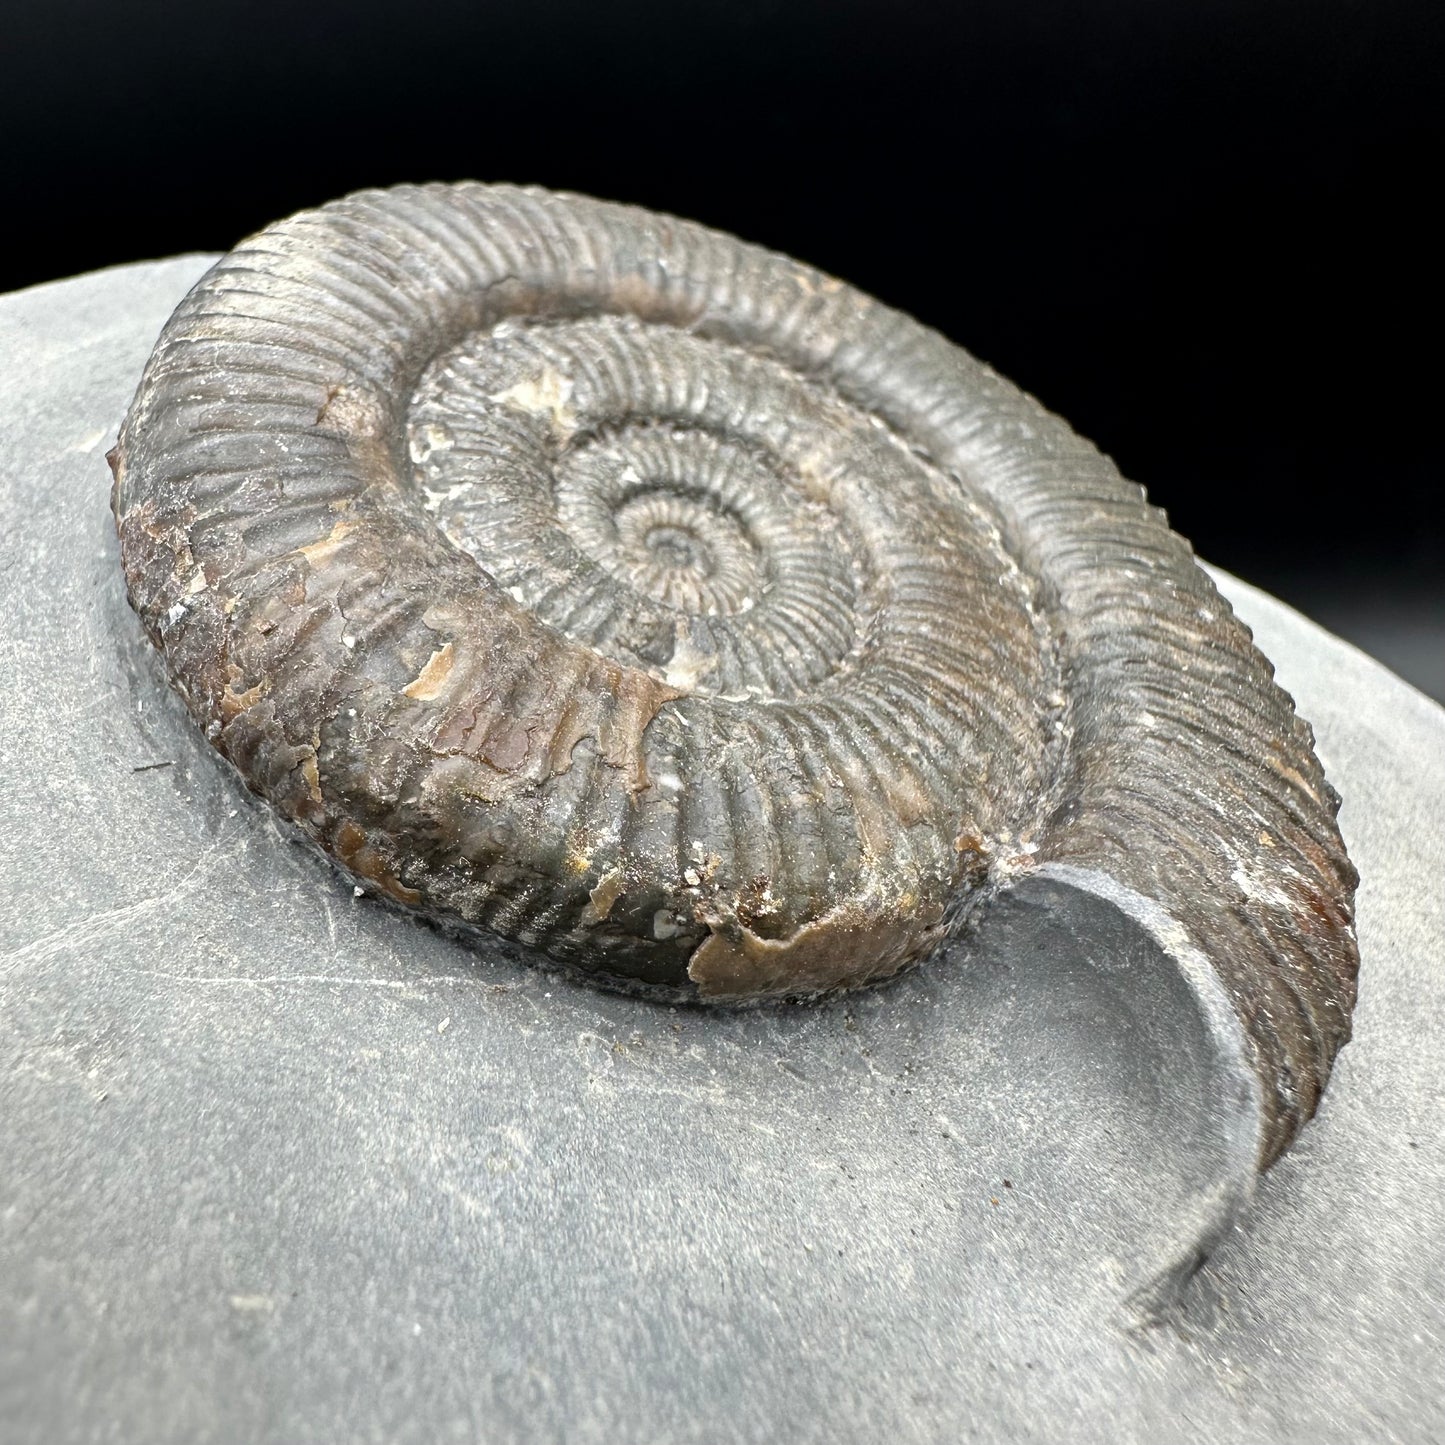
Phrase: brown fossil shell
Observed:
(596, 579)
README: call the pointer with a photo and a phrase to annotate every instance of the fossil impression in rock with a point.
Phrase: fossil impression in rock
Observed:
(590, 577)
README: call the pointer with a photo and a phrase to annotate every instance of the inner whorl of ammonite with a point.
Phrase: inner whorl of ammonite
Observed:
(683, 506)
(702, 513)
(598, 580)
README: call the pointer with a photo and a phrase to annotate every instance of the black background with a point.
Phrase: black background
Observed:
(1198, 230)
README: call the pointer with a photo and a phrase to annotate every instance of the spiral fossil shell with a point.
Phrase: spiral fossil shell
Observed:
(593, 578)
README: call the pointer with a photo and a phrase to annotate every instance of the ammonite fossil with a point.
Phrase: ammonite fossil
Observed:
(593, 578)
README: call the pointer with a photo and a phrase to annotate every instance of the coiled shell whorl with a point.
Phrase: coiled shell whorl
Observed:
(593, 578)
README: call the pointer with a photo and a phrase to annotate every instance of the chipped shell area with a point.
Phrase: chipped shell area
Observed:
(849, 947)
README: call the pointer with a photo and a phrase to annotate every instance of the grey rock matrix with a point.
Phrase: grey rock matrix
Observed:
(285, 1165)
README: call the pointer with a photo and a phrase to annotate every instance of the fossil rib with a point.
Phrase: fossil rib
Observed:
(594, 578)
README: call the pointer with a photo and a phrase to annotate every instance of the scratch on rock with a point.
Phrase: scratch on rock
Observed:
(266, 980)
(95, 927)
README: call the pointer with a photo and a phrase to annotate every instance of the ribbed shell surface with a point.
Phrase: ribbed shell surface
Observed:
(594, 578)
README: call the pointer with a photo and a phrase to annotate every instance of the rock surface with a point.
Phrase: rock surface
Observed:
(285, 1165)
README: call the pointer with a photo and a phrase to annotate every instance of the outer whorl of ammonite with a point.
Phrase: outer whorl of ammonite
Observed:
(593, 578)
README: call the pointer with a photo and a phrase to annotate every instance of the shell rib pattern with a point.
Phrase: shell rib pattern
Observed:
(593, 578)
